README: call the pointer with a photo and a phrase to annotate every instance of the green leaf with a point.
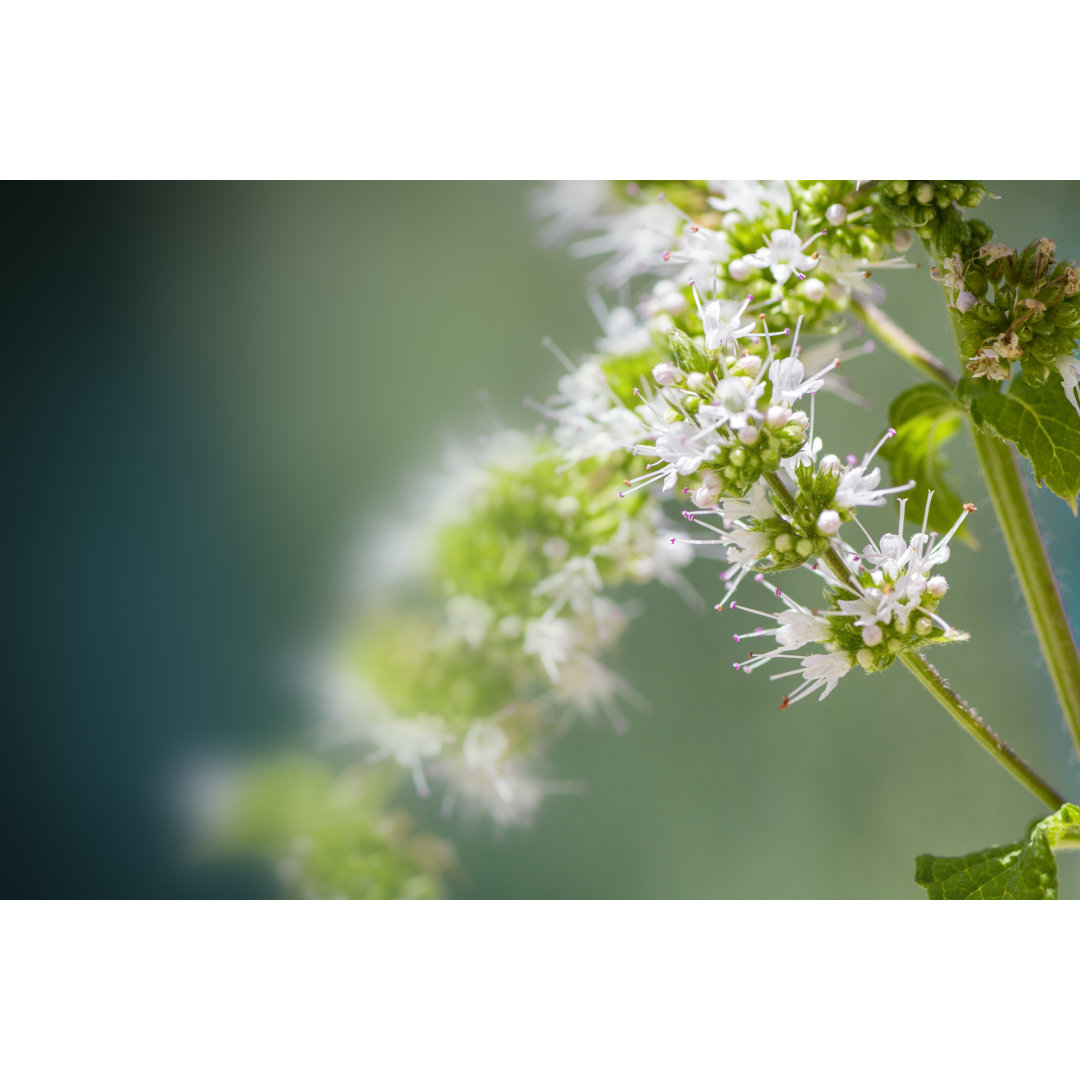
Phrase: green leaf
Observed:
(1023, 871)
(1041, 423)
(925, 418)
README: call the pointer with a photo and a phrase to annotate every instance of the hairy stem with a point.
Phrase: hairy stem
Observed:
(903, 344)
(969, 720)
(1028, 553)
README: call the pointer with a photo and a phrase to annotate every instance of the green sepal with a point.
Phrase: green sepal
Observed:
(1040, 422)
(1026, 870)
(926, 417)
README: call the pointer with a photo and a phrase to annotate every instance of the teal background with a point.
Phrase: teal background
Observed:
(215, 390)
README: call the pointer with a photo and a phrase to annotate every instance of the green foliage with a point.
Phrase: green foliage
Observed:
(1025, 870)
(1040, 422)
(925, 418)
(330, 836)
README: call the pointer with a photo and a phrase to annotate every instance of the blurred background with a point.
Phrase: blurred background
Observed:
(214, 390)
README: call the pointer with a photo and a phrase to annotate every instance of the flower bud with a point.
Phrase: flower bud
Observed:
(697, 381)
(937, 586)
(966, 301)
(830, 463)
(705, 498)
(665, 373)
(902, 239)
(776, 416)
(828, 522)
(872, 635)
(836, 214)
(813, 289)
(738, 270)
(748, 435)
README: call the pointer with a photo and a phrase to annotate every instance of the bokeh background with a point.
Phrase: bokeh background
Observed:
(215, 390)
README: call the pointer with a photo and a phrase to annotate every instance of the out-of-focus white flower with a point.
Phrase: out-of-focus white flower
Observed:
(550, 640)
(468, 619)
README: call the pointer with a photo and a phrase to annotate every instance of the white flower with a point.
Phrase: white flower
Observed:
(508, 795)
(590, 688)
(623, 333)
(721, 321)
(749, 197)
(858, 487)
(797, 626)
(733, 403)
(468, 619)
(576, 584)
(570, 205)
(698, 253)
(787, 375)
(550, 640)
(634, 241)
(783, 255)
(666, 297)
(408, 742)
(818, 670)
(1069, 369)
(756, 505)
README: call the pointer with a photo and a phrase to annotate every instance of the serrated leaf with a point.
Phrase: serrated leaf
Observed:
(1041, 423)
(925, 418)
(1026, 870)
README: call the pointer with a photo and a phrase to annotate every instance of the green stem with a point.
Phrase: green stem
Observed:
(903, 344)
(969, 720)
(1017, 519)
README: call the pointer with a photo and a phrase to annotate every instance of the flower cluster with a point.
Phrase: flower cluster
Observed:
(1021, 306)
(463, 676)
(803, 249)
(878, 603)
(713, 387)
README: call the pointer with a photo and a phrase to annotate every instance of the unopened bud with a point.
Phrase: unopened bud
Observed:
(937, 586)
(966, 301)
(665, 373)
(738, 270)
(872, 635)
(828, 522)
(836, 214)
(776, 416)
(902, 239)
(813, 289)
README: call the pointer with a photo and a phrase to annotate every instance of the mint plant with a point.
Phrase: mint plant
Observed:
(725, 307)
